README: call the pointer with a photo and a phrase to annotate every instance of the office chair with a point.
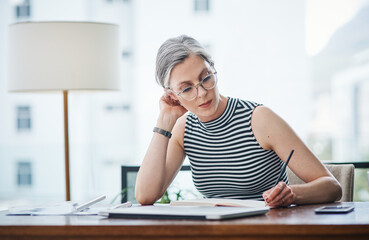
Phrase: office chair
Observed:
(344, 173)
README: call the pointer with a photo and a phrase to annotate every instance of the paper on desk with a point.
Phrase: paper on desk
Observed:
(63, 208)
(58, 209)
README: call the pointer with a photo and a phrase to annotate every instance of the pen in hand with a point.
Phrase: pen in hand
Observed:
(284, 167)
(279, 177)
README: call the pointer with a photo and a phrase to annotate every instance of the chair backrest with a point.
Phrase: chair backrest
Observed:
(129, 174)
(344, 173)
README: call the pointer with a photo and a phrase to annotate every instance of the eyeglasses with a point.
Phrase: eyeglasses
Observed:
(189, 93)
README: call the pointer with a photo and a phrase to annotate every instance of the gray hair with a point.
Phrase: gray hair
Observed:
(175, 51)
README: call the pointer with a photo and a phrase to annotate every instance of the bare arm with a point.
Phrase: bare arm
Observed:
(272, 132)
(164, 156)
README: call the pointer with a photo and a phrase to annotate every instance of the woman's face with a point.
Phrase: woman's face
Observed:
(207, 105)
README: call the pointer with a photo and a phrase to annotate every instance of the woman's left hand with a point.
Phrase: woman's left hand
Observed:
(279, 196)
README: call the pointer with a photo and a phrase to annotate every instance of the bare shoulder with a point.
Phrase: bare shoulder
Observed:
(260, 120)
(263, 113)
(267, 126)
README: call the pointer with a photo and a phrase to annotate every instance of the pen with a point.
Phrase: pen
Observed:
(123, 205)
(89, 203)
(284, 167)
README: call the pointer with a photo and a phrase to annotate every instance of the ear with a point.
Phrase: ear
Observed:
(171, 94)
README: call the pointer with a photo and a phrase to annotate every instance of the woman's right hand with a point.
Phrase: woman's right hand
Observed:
(171, 108)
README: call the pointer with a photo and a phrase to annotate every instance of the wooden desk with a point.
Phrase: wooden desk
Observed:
(292, 223)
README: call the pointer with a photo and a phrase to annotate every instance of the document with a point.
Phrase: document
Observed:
(62, 208)
(213, 202)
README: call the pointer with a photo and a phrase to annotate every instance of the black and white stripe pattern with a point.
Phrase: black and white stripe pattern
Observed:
(225, 158)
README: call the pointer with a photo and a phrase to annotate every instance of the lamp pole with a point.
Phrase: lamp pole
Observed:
(66, 146)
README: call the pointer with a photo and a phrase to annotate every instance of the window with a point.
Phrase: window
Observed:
(110, 1)
(23, 10)
(24, 173)
(123, 107)
(201, 6)
(126, 54)
(23, 118)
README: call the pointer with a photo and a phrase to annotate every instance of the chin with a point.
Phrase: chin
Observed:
(206, 115)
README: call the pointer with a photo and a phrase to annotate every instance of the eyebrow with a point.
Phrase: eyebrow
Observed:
(189, 81)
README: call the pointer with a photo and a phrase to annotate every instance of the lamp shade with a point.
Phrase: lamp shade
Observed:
(46, 56)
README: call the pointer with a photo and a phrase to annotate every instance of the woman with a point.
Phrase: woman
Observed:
(236, 148)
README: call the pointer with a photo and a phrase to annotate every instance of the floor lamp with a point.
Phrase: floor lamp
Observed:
(63, 56)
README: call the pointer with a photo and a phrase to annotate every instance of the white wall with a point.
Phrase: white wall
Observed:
(258, 48)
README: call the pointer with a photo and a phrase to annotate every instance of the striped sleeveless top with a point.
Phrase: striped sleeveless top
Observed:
(225, 158)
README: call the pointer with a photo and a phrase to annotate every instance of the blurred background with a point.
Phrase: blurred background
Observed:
(308, 60)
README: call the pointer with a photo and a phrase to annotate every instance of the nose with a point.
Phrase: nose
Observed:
(201, 91)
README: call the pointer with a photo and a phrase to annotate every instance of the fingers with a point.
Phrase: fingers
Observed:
(284, 199)
(273, 192)
(279, 196)
(171, 107)
(266, 195)
(168, 99)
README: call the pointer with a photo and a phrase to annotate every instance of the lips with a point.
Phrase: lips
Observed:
(206, 104)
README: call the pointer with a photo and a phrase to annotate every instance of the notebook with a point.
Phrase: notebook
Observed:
(164, 211)
(213, 202)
